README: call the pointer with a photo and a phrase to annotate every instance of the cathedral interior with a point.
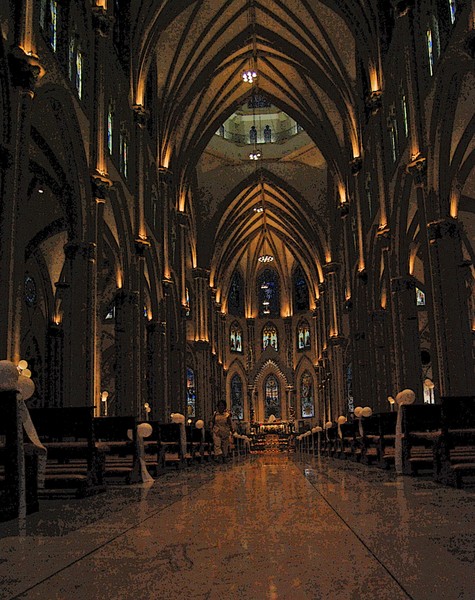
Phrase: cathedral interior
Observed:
(267, 202)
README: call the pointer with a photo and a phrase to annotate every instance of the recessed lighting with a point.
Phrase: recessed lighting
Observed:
(40, 191)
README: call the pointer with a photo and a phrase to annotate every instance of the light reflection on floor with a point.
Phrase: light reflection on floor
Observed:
(270, 527)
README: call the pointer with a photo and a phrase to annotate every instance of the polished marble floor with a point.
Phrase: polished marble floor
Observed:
(269, 527)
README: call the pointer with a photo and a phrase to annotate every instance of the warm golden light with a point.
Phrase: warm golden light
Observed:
(102, 4)
(119, 278)
(374, 79)
(384, 299)
(454, 205)
(342, 193)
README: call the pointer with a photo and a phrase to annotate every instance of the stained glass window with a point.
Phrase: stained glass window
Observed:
(268, 293)
(79, 73)
(72, 57)
(420, 297)
(303, 335)
(453, 10)
(187, 300)
(269, 337)
(110, 315)
(236, 296)
(237, 407)
(369, 193)
(272, 400)
(123, 154)
(235, 338)
(301, 296)
(405, 117)
(30, 290)
(110, 124)
(306, 395)
(53, 24)
(430, 51)
(190, 393)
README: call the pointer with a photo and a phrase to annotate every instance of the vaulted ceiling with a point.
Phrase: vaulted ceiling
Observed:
(307, 59)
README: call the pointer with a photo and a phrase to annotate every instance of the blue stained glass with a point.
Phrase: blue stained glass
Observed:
(237, 408)
(190, 393)
(306, 396)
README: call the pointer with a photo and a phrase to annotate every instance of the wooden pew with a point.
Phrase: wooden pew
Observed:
(170, 452)
(368, 444)
(347, 443)
(13, 450)
(454, 450)
(121, 452)
(75, 460)
(421, 427)
(387, 439)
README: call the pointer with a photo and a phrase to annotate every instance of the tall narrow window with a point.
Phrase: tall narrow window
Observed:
(272, 400)
(110, 125)
(393, 132)
(269, 337)
(237, 406)
(303, 335)
(236, 295)
(123, 153)
(301, 295)
(405, 117)
(420, 297)
(430, 51)
(187, 302)
(190, 393)
(369, 194)
(72, 57)
(453, 10)
(268, 293)
(306, 396)
(53, 24)
(79, 73)
(235, 338)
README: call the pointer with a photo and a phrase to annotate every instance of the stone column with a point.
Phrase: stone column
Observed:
(406, 335)
(379, 337)
(79, 325)
(251, 343)
(335, 352)
(165, 179)
(202, 302)
(155, 333)
(54, 365)
(25, 72)
(289, 341)
(127, 304)
(450, 300)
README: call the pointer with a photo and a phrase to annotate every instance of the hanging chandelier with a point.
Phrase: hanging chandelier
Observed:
(249, 75)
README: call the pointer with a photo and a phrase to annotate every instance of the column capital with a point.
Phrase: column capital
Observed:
(100, 186)
(384, 236)
(356, 164)
(331, 268)
(165, 175)
(74, 249)
(141, 244)
(101, 21)
(402, 7)
(25, 70)
(443, 229)
(167, 284)
(374, 101)
(200, 273)
(182, 218)
(378, 315)
(344, 208)
(336, 340)
(418, 169)
(140, 115)
(402, 283)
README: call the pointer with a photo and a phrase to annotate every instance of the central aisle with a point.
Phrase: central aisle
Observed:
(259, 529)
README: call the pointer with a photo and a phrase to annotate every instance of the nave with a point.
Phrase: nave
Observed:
(268, 527)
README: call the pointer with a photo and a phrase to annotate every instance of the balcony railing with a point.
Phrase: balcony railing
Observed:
(271, 137)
